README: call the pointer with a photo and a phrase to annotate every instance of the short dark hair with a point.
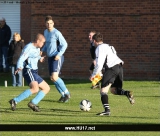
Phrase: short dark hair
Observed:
(98, 37)
(92, 31)
(48, 18)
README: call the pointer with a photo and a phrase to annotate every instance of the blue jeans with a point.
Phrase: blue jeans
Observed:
(4, 58)
(16, 79)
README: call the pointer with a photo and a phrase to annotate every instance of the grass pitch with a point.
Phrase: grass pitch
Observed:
(144, 111)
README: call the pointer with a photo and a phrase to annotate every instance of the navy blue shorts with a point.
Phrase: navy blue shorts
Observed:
(55, 65)
(31, 75)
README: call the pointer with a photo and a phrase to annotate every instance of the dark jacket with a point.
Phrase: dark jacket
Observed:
(5, 35)
(14, 52)
(92, 51)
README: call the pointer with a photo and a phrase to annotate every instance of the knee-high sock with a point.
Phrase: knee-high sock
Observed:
(23, 96)
(104, 99)
(38, 97)
(59, 89)
(61, 86)
(121, 91)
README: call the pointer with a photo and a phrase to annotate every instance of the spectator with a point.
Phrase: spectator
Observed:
(5, 35)
(15, 49)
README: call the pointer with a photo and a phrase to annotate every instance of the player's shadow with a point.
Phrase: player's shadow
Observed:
(17, 111)
(56, 101)
(64, 110)
(43, 111)
(148, 96)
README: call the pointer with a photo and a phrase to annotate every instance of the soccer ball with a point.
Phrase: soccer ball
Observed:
(85, 105)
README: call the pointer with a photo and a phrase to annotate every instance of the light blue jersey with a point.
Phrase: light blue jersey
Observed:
(29, 57)
(50, 46)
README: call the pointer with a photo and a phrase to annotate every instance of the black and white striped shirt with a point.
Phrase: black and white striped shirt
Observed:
(102, 51)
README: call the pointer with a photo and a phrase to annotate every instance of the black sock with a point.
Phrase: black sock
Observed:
(121, 91)
(104, 99)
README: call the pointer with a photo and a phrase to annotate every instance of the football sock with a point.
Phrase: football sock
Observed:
(104, 99)
(66, 91)
(23, 96)
(59, 89)
(121, 91)
(61, 85)
(38, 97)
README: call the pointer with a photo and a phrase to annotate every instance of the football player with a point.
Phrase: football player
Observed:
(28, 61)
(113, 73)
(55, 47)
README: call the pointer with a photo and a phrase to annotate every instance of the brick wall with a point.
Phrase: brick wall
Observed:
(25, 21)
(132, 27)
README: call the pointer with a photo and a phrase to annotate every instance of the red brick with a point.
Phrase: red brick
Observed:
(133, 27)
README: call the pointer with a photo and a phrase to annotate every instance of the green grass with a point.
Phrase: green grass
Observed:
(144, 111)
(79, 133)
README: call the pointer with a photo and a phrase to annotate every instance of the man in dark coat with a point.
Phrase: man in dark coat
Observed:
(5, 35)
